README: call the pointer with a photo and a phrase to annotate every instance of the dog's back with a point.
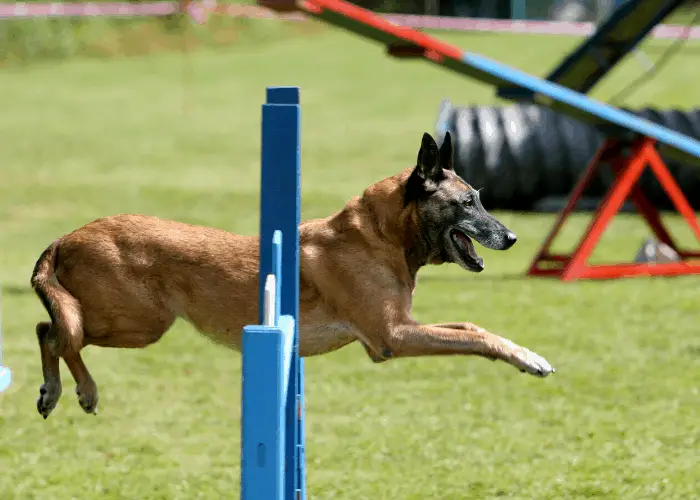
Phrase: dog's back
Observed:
(131, 276)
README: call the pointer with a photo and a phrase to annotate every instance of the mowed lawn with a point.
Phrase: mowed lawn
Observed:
(88, 138)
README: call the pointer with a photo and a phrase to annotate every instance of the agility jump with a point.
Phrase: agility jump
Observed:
(272, 396)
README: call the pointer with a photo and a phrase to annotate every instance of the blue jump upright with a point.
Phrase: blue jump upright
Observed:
(272, 396)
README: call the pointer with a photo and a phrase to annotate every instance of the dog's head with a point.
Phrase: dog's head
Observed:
(449, 210)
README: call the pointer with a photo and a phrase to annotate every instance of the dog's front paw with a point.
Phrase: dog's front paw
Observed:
(532, 363)
(527, 361)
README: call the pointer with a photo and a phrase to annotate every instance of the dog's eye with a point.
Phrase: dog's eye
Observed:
(468, 202)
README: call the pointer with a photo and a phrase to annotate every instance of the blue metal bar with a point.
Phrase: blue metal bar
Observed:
(280, 192)
(262, 414)
(281, 209)
(578, 105)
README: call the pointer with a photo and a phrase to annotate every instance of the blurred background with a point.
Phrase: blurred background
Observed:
(161, 115)
(56, 37)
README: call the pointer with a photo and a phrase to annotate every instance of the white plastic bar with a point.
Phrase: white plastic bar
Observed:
(269, 300)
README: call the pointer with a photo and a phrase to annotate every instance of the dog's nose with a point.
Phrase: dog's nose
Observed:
(511, 238)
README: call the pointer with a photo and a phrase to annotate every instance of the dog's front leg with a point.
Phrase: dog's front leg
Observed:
(414, 339)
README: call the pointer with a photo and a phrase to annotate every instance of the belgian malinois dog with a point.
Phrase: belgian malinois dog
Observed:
(122, 281)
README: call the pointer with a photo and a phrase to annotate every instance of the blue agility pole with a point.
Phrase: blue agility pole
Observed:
(5, 373)
(272, 404)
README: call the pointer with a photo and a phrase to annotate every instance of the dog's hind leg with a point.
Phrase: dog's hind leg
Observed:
(85, 388)
(50, 390)
(410, 340)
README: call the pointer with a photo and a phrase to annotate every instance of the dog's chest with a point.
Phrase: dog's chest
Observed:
(319, 338)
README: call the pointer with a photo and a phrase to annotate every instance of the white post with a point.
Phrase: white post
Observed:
(269, 300)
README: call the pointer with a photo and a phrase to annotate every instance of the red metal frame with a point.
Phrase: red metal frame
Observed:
(628, 169)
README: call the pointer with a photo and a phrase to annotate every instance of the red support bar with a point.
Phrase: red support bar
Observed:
(405, 50)
(374, 26)
(556, 258)
(612, 271)
(574, 198)
(628, 170)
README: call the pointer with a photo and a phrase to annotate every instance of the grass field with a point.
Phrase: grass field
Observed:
(87, 138)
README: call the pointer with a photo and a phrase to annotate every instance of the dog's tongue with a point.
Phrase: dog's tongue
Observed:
(469, 246)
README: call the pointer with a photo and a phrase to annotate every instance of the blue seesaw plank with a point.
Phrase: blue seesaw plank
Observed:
(407, 42)
(598, 54)
(560, 98)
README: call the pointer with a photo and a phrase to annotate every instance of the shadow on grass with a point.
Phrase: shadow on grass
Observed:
(454, 279)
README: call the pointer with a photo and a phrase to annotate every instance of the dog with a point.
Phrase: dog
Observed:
(122, 281)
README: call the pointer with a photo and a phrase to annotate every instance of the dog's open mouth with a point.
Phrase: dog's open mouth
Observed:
(466, 250)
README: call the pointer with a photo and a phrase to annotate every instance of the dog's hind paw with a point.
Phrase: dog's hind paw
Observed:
(532, 363)
(87, 398)
(48, 398)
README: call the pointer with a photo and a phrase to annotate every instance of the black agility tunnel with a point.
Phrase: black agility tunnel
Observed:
(524, 153)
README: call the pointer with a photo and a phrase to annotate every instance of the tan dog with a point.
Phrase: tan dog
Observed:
(122, 281)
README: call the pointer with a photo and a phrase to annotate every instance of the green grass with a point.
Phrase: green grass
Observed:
(28, 41)
(87, 138)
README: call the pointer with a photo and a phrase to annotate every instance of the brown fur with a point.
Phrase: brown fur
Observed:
(122, 281)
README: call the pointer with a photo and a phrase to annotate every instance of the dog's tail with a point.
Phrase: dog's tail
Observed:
(63, 308)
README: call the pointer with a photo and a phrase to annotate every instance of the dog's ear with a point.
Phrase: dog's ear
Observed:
(428, 165)
(446, 152)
